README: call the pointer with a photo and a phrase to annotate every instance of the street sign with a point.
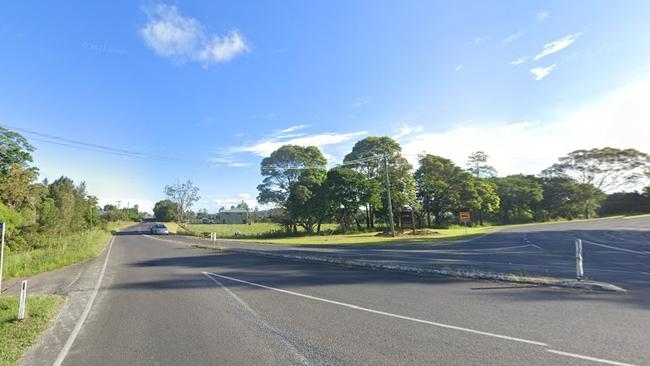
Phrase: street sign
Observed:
(465, 217)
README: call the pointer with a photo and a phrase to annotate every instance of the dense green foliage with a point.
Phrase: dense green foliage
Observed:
(166, 211)
(296, 182)
(37, 213)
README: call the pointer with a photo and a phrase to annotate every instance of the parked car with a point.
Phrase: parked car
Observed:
(159, 229)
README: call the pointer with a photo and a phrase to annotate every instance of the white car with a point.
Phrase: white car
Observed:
(159, 229)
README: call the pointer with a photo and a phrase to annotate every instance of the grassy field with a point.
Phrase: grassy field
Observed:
(60, 252)
(16, 336)
(254, 230)
(372, 238)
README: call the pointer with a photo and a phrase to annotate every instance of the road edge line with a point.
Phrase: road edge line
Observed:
(77, 328)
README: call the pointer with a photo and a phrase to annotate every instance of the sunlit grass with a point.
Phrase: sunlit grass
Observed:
(18, 335)
(60, 251)
(253, 230)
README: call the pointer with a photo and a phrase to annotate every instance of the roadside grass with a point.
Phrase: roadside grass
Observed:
(59, 251)
(454, 233)
(254, 230)
(16, 336)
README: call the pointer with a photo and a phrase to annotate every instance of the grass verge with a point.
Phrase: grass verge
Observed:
(60, 251)
(371, 238)
(16, 336)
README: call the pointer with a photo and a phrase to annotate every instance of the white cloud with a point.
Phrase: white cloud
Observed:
(226, 160)
(265, 147)
(459, 67)
(405, 130)
(619, 119)
(519, 61)
(542, 72)
(541, 16)
(557, 45)
(227, 202)
(361, 102)
(291, 129)
(181, 38)
(480, 39)
(511, 38)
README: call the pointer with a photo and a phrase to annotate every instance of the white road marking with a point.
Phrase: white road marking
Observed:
(615, 248)
(392, 315)
(588, 358)
(351, 306)
(75, 332)
(303, 360)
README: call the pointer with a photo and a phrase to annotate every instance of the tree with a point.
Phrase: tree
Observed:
(564, 197)
(283, 170)
(606, 169)
(243, 206)
(489, 201)
(366, 158)
(346, 191)
(519, 196)
(444, 188)
(166, 210)
(626, 203)
(14, 149)
(478, 167)
(306, 203)
(184, 194)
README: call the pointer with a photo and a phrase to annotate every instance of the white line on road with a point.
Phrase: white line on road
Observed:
(615, 248)
(392, 315)
(588, 358)
(303, 360)
(84, 315)
(441, 325)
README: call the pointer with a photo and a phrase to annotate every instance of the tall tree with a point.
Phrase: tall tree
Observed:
(519, 197)
(166, 210)
(444, 188)
(184, 194)
(346, 191)
(478, 167)
(366, 157)
(606, 169)
(291, 168)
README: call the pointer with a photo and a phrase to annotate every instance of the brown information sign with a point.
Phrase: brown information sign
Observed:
(465, 217)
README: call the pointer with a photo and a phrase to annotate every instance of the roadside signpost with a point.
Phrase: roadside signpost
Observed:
(580, 273)
(408, 220)
(2, 254)
(21, 303)
(465, 218)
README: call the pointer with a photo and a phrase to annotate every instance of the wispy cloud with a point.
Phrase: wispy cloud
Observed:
(541, 72)
(405, 129)
(361, 102)
(266, 146)
(541, 15)
(480, 39)
(291, 129)
(557, 45)
(227, 202)
(511, 38)
(181, 38)
(528, 147)
(519, 61)
(226, 160)
(459, 67)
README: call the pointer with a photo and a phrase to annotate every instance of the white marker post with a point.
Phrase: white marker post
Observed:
(580, 274)
(213, 238)
(2, 254)
(21, 304)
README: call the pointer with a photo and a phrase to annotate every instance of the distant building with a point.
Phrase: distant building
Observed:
(233, 216)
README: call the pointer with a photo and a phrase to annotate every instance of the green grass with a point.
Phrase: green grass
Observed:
(60, 251)
(371, 238)
(16, 336)
(253, 230)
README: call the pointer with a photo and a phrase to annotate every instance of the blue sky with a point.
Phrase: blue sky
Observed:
(219, 85)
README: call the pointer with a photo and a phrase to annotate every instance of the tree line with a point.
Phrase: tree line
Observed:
(35, 211)
(354, 194)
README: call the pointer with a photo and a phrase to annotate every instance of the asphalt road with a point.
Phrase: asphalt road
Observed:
(614, 250)
(163, 303)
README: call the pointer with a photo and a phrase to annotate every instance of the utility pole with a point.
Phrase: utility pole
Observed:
(390, 203)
